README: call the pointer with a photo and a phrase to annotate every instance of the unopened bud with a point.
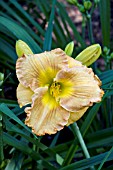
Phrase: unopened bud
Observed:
(87, 5)
(22, 48)
(81, 8)
(89, 55)
(106, 50)
(111, 55)
(108, 58)
(74, 2)
(1, 78)
(69, 48)
(96, 1)
(88, 16)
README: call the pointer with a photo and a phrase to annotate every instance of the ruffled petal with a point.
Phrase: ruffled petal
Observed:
(74, 116)
(45, 116)
(72, 62)
(80, 88)
(24, 95)
(39, 70)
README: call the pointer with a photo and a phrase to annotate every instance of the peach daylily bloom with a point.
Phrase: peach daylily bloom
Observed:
(59, 89)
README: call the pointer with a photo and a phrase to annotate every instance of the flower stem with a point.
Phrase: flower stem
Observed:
(90, 31)
(81, 140)
(1, 140)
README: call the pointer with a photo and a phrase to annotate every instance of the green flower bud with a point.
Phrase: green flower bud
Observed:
(1, 79)
(22, 48)
(69, 48)
(87, 5)
(88, 16)
(1, 76)
(96, 1)
(89, 55)
(106, 50)
(74, 2)
(111, 55)
(108, 58)
(81, 8)
(1, 82)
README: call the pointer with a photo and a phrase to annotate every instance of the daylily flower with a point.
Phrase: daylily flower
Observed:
(59, 88)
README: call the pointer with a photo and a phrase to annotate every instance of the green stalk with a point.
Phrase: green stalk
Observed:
(83, 27)
(1, 140)
(81, 141)
(90, 30)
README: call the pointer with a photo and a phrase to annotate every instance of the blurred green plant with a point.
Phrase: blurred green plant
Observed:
(43, 25)
(1, 79)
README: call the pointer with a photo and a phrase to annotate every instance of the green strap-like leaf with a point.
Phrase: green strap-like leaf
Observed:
(48, 35)
(4, 109)
(104, 6)
(87, 163)
(19, 33)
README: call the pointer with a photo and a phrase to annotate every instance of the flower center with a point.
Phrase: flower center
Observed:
(55, 89)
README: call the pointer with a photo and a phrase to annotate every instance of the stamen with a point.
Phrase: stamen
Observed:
(55, 89)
